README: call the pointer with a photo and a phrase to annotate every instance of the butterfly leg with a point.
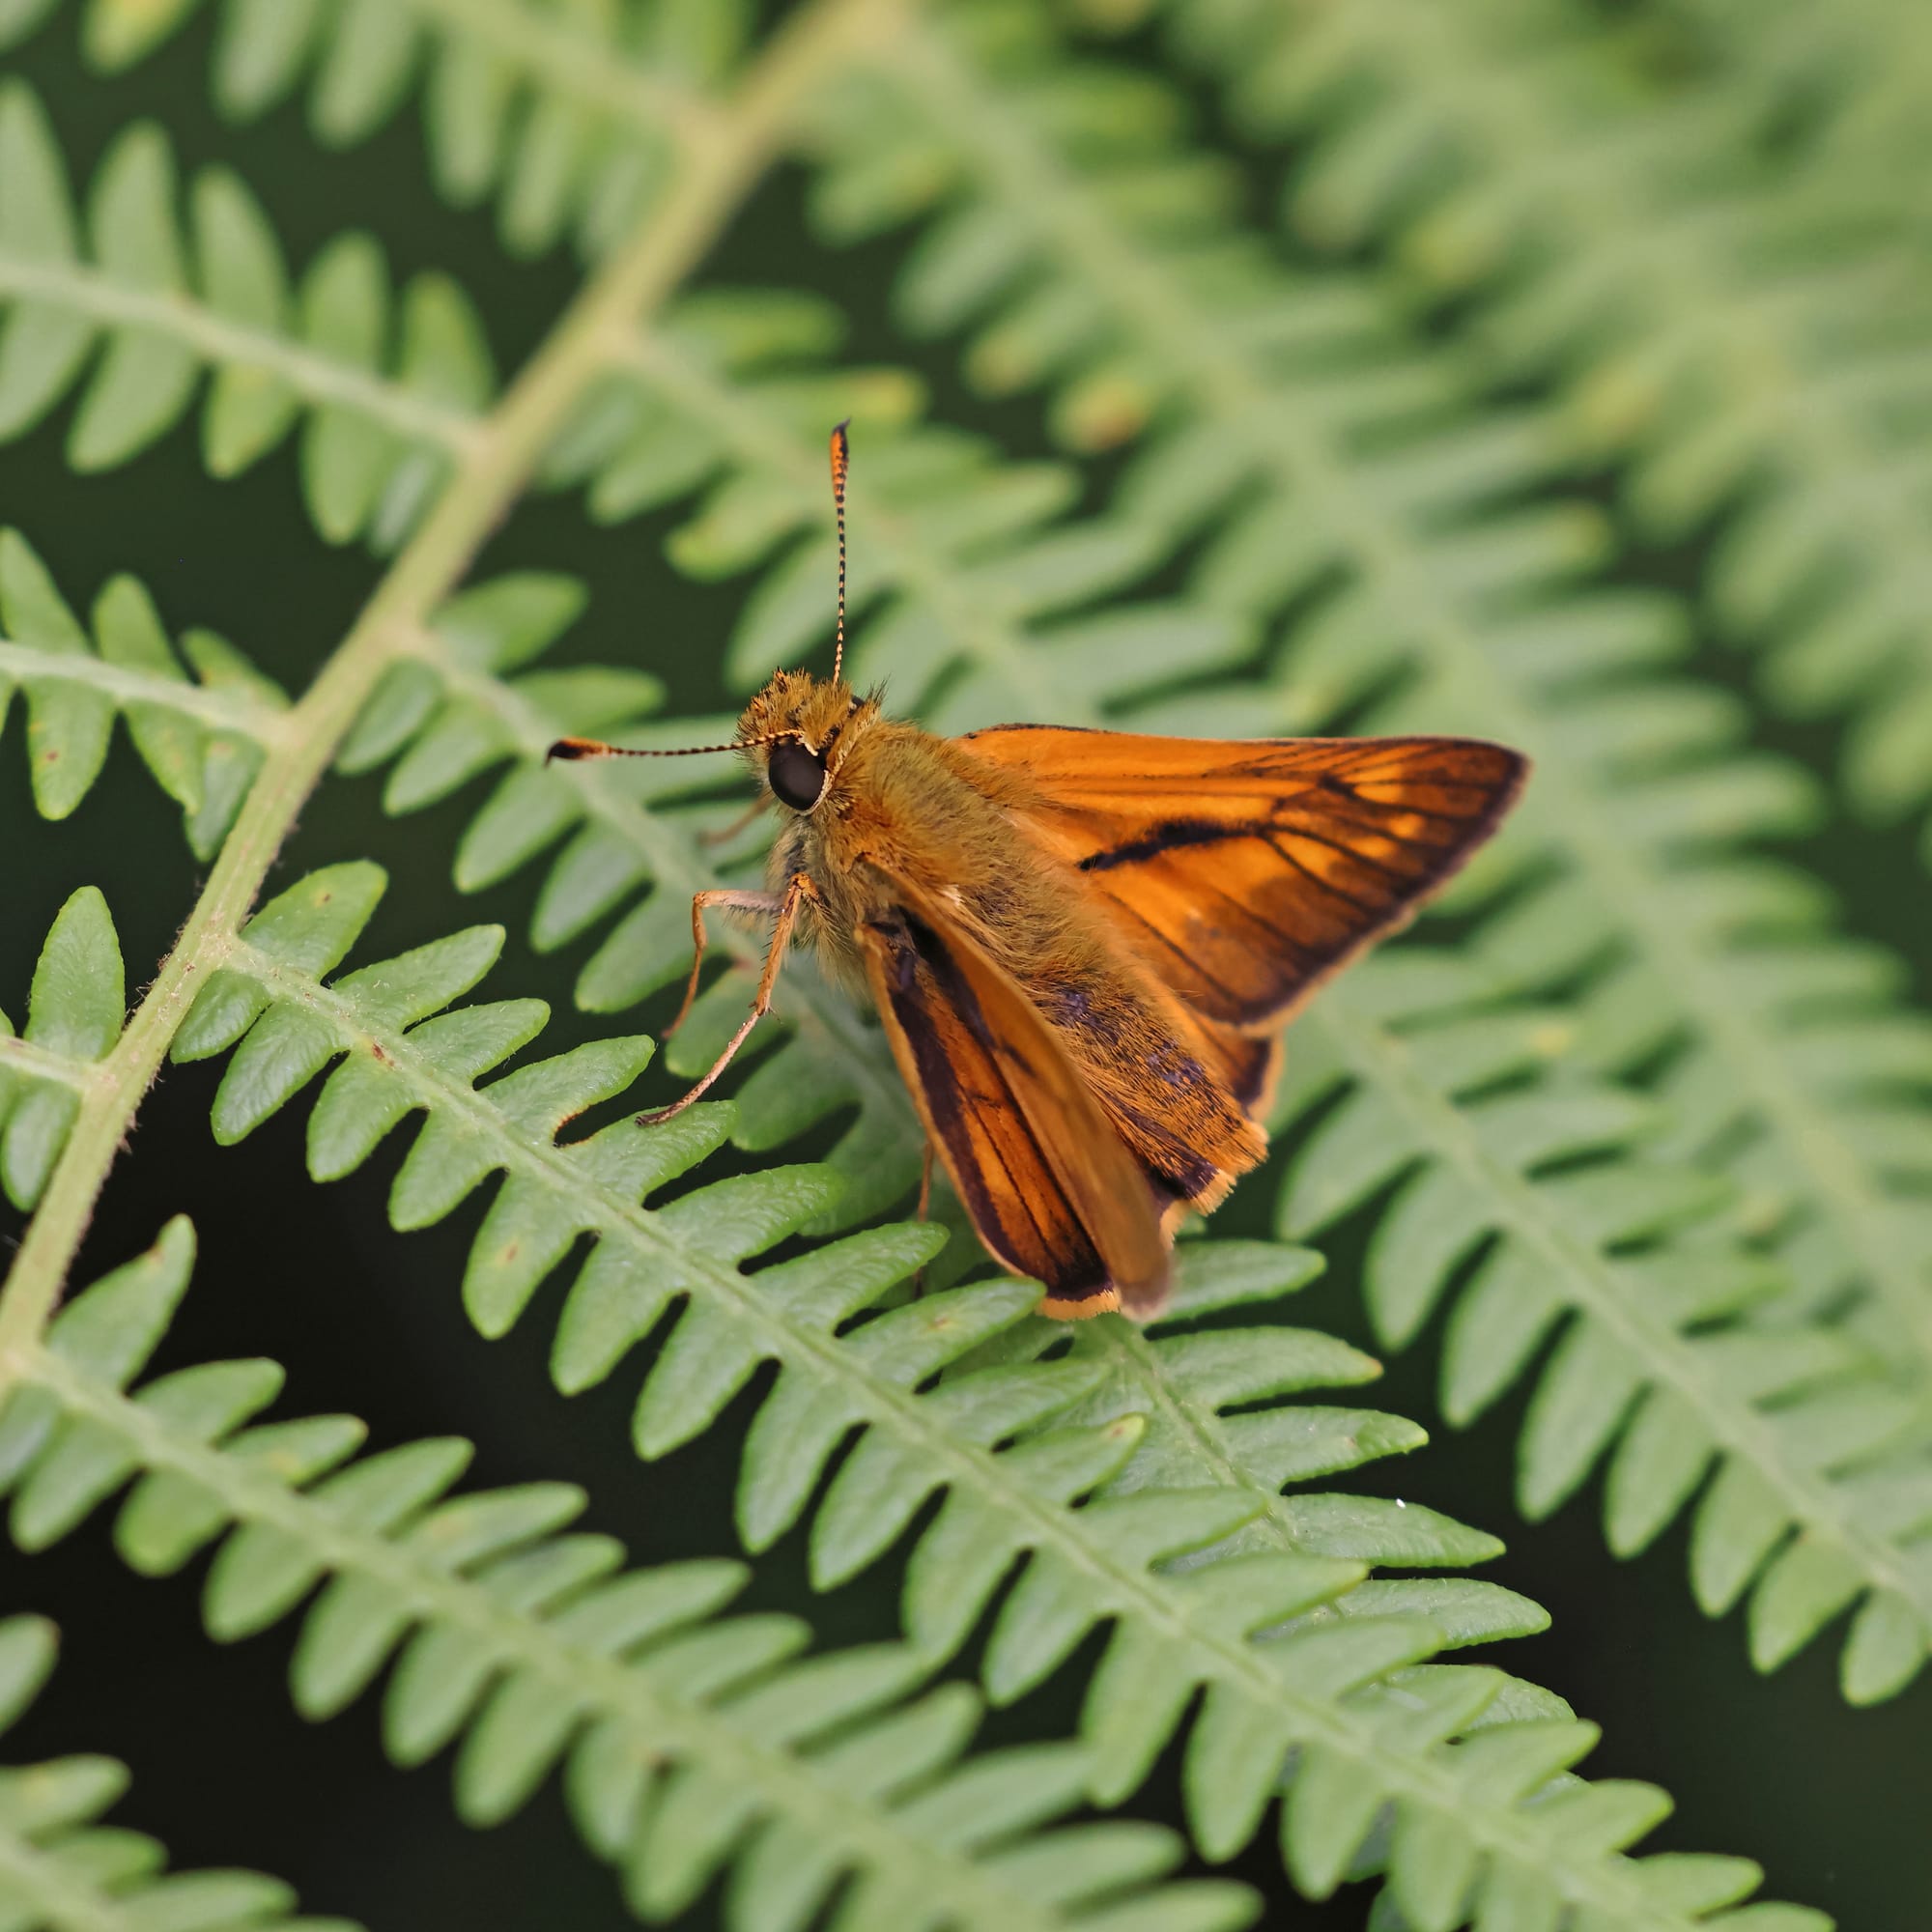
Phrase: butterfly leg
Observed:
(925, 1207)
(767, 905)
(723, 834)
(784, 913)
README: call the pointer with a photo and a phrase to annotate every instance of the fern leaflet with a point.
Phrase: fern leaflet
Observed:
(74, 1012)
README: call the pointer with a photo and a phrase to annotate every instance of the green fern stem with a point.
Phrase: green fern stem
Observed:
(722, 164)
(220, 709)
(1294, 449)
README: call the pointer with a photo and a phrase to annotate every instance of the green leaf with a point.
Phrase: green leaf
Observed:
(346, 457)
(308, 928)
(75, 1014)
(80, 997)
(366, 69)
(27, 1646)
(502, 625)
(146, 374)
(1263, 1576)
(130, 633)
(250, 407)
(43, 343)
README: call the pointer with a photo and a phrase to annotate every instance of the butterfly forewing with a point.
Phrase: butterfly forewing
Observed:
(1244, 872)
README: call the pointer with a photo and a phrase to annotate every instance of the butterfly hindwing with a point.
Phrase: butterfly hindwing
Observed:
(1051, 1189)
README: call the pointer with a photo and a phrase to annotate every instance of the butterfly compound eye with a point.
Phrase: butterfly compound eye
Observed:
(796, 775)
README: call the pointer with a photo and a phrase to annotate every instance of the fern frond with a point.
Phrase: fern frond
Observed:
(61, 1871)
(688, 1742)
(571, 117)
(388, 391)
(1313, 451)
(75, 1014)
(1235, 1623)
(1747, 322)
(201, 737)
(1810, 1467)
(762, 474)
(1214, 1417)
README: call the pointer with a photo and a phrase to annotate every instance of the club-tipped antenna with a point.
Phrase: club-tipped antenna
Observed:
(595, 748)
(842, 457)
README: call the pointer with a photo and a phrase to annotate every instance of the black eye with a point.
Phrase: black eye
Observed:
(796, 775)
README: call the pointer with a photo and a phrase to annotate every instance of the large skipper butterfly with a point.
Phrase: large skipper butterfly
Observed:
(1082, 945)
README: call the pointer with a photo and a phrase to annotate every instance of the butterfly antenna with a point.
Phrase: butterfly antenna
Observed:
(842, 457)
(569, 749)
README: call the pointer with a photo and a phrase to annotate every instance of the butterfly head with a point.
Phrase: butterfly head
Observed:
(799, 729)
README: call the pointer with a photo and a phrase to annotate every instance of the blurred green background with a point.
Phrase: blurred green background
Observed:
(1832, 1800)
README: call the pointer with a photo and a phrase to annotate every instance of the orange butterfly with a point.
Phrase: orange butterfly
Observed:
(1083, 944)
